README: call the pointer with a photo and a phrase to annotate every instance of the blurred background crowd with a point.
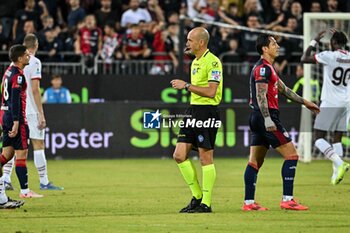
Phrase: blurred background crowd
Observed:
(149, 29)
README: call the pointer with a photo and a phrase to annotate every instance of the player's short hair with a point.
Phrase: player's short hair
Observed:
(262, 41)
(340, 38)
(30, 41)
(16, 51)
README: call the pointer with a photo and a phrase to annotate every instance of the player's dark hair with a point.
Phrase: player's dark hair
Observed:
(16, 51)
(262, 41)
(56, 76)
(339, 38)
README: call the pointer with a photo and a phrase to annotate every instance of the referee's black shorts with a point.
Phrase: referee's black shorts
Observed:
(200, 137)
(261, 137)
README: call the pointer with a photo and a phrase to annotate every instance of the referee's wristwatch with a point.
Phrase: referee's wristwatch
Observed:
(187, 85)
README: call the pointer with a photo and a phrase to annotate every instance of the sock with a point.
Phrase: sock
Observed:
(328, 151)
(338, 148)
(250, 178)
(22, 174)
(288, 173)
(189, 173)
(7, 170)
(41, 166)
(3, 197)
(209, 176)
(3, 160)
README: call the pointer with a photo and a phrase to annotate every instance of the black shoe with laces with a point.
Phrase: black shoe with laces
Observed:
(11, 204)
(202, 208)
(194, 203)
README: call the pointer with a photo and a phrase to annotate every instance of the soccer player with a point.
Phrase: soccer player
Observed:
(36, 118)
(14, 122)
(266, 128)
(206, 93)
(335, 99)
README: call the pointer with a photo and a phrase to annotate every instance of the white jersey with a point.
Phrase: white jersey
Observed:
(32, 71)
(336, 74)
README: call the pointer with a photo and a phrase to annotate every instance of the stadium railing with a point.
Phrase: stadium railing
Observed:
(71, 63)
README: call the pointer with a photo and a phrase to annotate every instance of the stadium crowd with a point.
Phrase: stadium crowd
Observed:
(149, 29)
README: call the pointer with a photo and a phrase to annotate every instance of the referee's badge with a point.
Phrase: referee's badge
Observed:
(194, 71)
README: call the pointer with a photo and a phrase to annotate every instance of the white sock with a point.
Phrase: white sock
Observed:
(338, 148)
(287, 198)
(249, 202)
(25, 191)
(328, 151)
(3, 197)
(7, 170)
(41, 166)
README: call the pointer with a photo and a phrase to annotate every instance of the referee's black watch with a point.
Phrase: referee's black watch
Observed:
(187, 85)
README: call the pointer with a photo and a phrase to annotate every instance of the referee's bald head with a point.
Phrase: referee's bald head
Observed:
(200, 33)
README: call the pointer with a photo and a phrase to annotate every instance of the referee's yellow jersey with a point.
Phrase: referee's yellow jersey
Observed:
(207, 68)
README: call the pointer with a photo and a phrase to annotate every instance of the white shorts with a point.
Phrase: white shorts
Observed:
(332, 118)
(34, 132)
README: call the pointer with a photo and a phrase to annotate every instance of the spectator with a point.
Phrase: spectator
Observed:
(230, 15)
(192, 7)
(27, 29)
(26, 14)
(7, 15)
(253, 7)
(274, 11)
(233, 54)
(111, 44)
(134, 44)
(248, 39)
(332, 6)
(76, 14)
(155, 11)
(3, 39)
(170, 6)
(105, 13)
(296, 11)
(57, 94)
(134, 15)
(165, 47)
(315, 6)
(89, 41)
(173, 17)
(53, 45)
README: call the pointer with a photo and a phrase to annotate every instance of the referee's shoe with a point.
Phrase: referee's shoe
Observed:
(202, 208)
(194, 203)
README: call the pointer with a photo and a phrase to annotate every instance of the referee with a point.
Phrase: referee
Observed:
(206, 93)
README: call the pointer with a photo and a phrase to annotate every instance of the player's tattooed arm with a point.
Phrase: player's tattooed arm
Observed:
(287, 92)
(261, 91)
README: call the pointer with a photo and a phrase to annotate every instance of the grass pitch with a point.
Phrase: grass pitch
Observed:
(146, 195)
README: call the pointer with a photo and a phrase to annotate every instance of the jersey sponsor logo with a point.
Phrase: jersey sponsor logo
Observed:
(216, 75)
(262, 71)
(215, 64)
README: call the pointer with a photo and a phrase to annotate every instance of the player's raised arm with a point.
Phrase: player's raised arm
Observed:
(307, 57)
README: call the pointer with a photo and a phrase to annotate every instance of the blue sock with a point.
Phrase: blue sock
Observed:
(22, 173)
(288, 173)
(250, 177)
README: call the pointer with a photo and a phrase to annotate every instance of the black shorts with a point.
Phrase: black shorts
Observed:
(200, 137)
(20, 142)
(261, 137)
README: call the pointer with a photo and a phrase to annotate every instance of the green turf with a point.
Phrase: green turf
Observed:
(145, 196)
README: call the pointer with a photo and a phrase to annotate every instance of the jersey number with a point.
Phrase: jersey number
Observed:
(6, 93)
(340, 76)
